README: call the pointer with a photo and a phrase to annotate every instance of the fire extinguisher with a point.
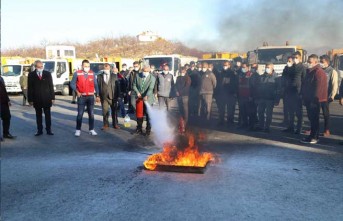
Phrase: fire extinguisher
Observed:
(139, 108)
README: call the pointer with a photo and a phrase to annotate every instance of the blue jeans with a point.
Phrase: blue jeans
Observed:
(122, 106)
(82, 102)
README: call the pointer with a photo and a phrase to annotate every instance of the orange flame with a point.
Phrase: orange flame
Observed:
(171, 155)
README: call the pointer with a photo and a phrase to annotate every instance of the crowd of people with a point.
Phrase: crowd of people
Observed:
(313, 85)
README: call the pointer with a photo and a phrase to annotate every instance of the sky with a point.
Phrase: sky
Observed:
(212, 25)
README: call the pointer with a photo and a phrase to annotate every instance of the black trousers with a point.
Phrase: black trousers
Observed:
(39, 118)
(326, 114)
(313, 111)
(141, 119)
(294, 103)
(6, 118)
(106, 104)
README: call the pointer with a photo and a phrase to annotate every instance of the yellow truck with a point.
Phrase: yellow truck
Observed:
(223, 55)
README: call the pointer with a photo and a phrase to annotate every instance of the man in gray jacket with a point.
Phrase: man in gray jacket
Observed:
(207, 86)
(165, 87)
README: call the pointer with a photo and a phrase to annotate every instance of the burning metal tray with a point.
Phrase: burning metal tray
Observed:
(181, 169)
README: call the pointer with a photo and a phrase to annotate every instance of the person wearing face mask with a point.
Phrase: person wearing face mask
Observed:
(332, 82)
(244, 103)
(253, 82)
(132, 96)
(182, 87)
(23, 85)
(295, 78)
(284, 82)
(267, 98)
(143, 86)
(109, 93)
(41, 94)
(207, 86)
(123, 83)
(314, 92)
(84, 83)
(194, 74)
(165, 87)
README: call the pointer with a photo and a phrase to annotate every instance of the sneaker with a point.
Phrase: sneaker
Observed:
(309, 140)
(77, 133)
(93, 133)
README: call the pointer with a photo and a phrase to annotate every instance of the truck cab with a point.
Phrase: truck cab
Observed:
(11, 74)
(277, 55)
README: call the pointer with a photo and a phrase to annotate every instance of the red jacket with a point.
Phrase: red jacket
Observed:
(315, 87)
(85, 85)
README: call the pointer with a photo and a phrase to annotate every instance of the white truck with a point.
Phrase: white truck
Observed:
(277, 55)
(61, 62)
(11, 74)
(173, 61)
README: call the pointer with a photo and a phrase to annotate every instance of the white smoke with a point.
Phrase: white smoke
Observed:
(163, 130)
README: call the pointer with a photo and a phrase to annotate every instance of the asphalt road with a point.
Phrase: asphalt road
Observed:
(259, 177)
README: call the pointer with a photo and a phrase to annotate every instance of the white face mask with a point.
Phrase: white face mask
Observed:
(192, 68)
(199, 69)
(289, 64)
(124, 68)
(238, 64)
(165, 72)
(309, 65)
(204, 69)
(107, 71)
(225, 68)
(86, 70)
(244, 70)
(268, 70)
(183, 74)
(40, 70)
(296, 61)
(136, 69)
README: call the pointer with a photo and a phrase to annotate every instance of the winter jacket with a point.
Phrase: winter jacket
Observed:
(229, 83)
(315, 87)
(165, 85)
(182, 85)
(295, 77)
(4, 99)
(195, 79)
(332, 79)
(208, 82)
(267, 87)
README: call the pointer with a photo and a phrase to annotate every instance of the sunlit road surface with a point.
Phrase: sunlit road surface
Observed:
(260, 176)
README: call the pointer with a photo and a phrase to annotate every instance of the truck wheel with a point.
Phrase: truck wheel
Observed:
(65, 91)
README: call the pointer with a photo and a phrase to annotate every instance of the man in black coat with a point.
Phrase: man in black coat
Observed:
(109, 92)
(41, 95)
(5, 104)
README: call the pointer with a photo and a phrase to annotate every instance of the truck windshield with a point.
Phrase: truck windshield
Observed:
(274, 55)
(49, 66)
(11, 70)
(159, 62)
(97, 67)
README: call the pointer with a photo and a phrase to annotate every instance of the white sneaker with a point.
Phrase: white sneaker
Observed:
(77, 133)
(93, 133)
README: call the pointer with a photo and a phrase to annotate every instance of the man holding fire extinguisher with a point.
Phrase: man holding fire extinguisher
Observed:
(143, 86)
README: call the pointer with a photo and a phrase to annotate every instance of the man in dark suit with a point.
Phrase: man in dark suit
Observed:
(109, 91)
(41, 95)
(5, 113)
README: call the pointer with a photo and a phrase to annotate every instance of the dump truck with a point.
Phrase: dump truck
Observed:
(278, 55)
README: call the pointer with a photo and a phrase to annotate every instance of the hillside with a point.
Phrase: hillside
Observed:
(125, 46)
